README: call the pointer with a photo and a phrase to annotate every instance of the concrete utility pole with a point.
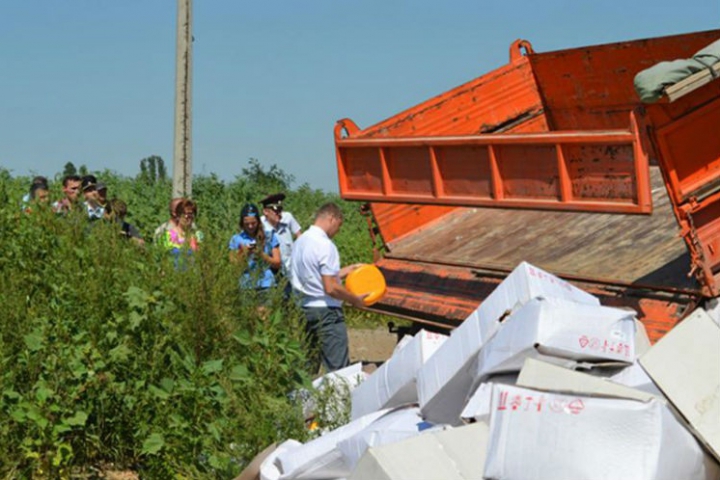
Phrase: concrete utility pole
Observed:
(182, 156)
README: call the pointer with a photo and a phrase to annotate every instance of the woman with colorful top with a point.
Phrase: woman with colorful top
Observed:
(259, 247)
(181, 236)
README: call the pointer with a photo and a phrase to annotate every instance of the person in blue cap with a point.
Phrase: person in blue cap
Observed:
(260, 248)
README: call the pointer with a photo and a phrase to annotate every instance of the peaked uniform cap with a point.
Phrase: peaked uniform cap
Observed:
(273, 200)
(88, 181)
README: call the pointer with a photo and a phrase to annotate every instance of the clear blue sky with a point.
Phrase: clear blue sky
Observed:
(92, 81)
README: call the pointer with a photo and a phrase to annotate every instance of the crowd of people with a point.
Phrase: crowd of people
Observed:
(82, 193)
(270, 244)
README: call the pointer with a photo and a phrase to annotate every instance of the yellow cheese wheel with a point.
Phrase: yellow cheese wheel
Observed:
(367, 279)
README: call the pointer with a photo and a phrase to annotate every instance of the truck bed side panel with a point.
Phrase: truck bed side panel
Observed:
(486, 104)
(592, 87)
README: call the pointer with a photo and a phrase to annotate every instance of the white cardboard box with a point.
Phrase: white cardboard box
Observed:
(558, 331)
(685, 364)
(537, 435)
(394, 383)
(445, 381)
(320, 458)
(524, 283)
(453, 454)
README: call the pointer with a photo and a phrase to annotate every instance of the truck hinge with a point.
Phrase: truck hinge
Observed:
(697, 258)
(374, 230)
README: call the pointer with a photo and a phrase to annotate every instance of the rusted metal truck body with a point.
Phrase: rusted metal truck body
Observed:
(553, 160)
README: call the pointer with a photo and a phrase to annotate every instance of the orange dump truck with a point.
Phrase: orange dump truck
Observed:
(553, 160)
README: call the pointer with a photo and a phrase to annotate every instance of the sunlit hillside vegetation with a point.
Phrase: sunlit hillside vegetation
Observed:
(112, 356)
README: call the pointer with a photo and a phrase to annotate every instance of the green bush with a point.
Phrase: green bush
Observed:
(112, 355)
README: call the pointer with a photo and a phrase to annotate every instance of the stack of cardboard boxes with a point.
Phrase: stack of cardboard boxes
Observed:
(540, 382)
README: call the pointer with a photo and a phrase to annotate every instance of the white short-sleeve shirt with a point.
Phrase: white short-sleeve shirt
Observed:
(285, 231)
(314, 255)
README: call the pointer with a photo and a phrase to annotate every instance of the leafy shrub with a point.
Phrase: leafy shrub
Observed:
(111, 355)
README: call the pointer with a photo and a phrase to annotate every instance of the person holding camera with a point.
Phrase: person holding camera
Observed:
(260, 248)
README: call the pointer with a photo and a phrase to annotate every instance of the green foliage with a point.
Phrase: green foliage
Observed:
(152, 170)
(69, 169)
(272, 180)
(110, 355)
(332, 404)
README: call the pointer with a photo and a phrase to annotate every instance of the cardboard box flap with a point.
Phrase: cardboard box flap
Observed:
(268, 468)
(392, 427)
(452, 454)
(685, 364)
(543, 376)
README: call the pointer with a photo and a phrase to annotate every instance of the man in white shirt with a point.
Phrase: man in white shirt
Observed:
(71, 189)
(316, 279)
(286, 228)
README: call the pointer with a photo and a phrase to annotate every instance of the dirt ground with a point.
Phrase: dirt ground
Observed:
(371, 345)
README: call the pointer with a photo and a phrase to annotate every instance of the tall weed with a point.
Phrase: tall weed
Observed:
(110, 354)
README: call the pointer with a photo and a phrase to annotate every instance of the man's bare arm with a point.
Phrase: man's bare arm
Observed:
(345, 271)
(335, 289)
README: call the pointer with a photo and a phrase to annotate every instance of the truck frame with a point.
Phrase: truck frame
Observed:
(553, 160)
